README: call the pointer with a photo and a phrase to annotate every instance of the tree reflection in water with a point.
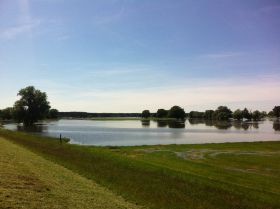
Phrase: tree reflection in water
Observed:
(162, 123)
(170, 124)
(35, 128)
(176, 124)
(276, 125)
(255, 125)
(224, 125)
(145, 123)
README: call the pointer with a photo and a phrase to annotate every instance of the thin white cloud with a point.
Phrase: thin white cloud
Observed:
(117, 71)
(24, 25)
(14, 31)
(222, 55)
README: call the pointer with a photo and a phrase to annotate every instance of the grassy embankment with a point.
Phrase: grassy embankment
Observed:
(237, 175)
(29, 181)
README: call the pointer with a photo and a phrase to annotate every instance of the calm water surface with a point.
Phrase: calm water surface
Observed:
(130, 132)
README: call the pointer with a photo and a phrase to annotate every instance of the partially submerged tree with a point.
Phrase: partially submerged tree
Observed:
(146, 114)
(32, 106)
(53, 113)
(270, 114)
(209, 114)
(177, 112)
(7, 113)
(162, 113)
(222, 113)
(246, 114)
(196, 114)
(264, 114)
(276, 111)
(237, 114)
(256, 115)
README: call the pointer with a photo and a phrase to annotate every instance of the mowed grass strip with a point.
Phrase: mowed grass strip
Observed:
(30, 181)
(156, 180)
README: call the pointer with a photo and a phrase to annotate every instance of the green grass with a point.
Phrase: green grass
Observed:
(29, 181)
(230, 175)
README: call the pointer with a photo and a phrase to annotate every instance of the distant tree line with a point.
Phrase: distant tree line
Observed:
(221, 113)
(10, 113)
(92, 115)
(33, 106)
(224, 113)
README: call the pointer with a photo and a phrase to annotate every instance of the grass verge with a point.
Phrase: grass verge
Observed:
(238, 175)
(29, 181)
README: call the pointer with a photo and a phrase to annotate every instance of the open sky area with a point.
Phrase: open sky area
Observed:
(130, 55)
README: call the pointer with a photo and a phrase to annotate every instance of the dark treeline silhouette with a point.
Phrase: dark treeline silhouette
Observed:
(224, 113)
(92, 115)
(33, 106)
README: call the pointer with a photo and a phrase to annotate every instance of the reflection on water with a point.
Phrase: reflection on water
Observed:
(155, 132)
(276, 125)
(146, 123)
(34, 128)
(176, 124)
(162, 124)
(224, 125)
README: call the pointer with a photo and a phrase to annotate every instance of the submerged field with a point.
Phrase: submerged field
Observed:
(229, 175)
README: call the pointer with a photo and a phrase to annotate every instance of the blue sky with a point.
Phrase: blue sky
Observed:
(128, 55)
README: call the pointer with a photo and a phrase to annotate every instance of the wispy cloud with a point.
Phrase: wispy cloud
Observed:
(222, 55)
(14, 31)
(24, 25)
(118, 71)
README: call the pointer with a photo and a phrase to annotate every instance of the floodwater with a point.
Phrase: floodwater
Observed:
(134, 132)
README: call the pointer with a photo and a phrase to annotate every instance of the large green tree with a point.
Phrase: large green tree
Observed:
(276, 111)
(177, 112)
(32, 106)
